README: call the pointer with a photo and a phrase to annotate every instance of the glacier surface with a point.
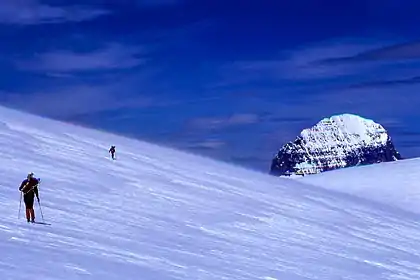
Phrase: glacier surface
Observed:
(189, 218)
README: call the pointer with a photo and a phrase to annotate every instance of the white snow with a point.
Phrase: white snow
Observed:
(393, 184)
(157, 213)
(348, 130)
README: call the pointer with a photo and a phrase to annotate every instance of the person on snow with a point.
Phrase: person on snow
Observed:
(112, 151)
(29, 188)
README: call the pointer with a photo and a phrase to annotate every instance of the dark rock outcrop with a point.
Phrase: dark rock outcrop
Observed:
(340, 141)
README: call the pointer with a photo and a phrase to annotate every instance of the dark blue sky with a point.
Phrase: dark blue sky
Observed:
(234, 80)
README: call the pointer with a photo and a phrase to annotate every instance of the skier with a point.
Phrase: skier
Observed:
(29, 188)
(112, 151)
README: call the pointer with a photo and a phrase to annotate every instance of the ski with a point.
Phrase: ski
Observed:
(40, 223)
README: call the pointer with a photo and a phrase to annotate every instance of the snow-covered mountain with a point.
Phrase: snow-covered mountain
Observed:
(339, 141)
(157, 213)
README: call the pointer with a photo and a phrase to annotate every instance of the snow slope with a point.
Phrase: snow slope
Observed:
(157, 213)
(390, 183)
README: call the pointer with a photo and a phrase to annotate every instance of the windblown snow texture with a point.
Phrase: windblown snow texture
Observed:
(157, 213)
(340, 141)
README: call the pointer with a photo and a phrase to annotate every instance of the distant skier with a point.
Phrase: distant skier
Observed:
(112, 151)
(29, 188)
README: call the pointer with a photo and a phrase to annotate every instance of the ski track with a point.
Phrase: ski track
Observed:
(156, 213)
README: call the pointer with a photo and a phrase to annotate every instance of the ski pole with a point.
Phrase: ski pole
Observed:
(20, 204)
(40, 209)
(39, 203)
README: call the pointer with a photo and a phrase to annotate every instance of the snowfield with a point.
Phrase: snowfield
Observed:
(160, 214)
(394, 183)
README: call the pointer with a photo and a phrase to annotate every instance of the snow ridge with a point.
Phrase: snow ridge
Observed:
(339, 141)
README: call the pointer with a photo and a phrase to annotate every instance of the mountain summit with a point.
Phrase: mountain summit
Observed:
(339, 141)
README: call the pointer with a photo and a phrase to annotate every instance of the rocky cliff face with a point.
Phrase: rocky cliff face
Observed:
(340, 141)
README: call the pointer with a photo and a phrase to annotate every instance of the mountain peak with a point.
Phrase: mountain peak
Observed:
(345, 128)
(338, 141)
